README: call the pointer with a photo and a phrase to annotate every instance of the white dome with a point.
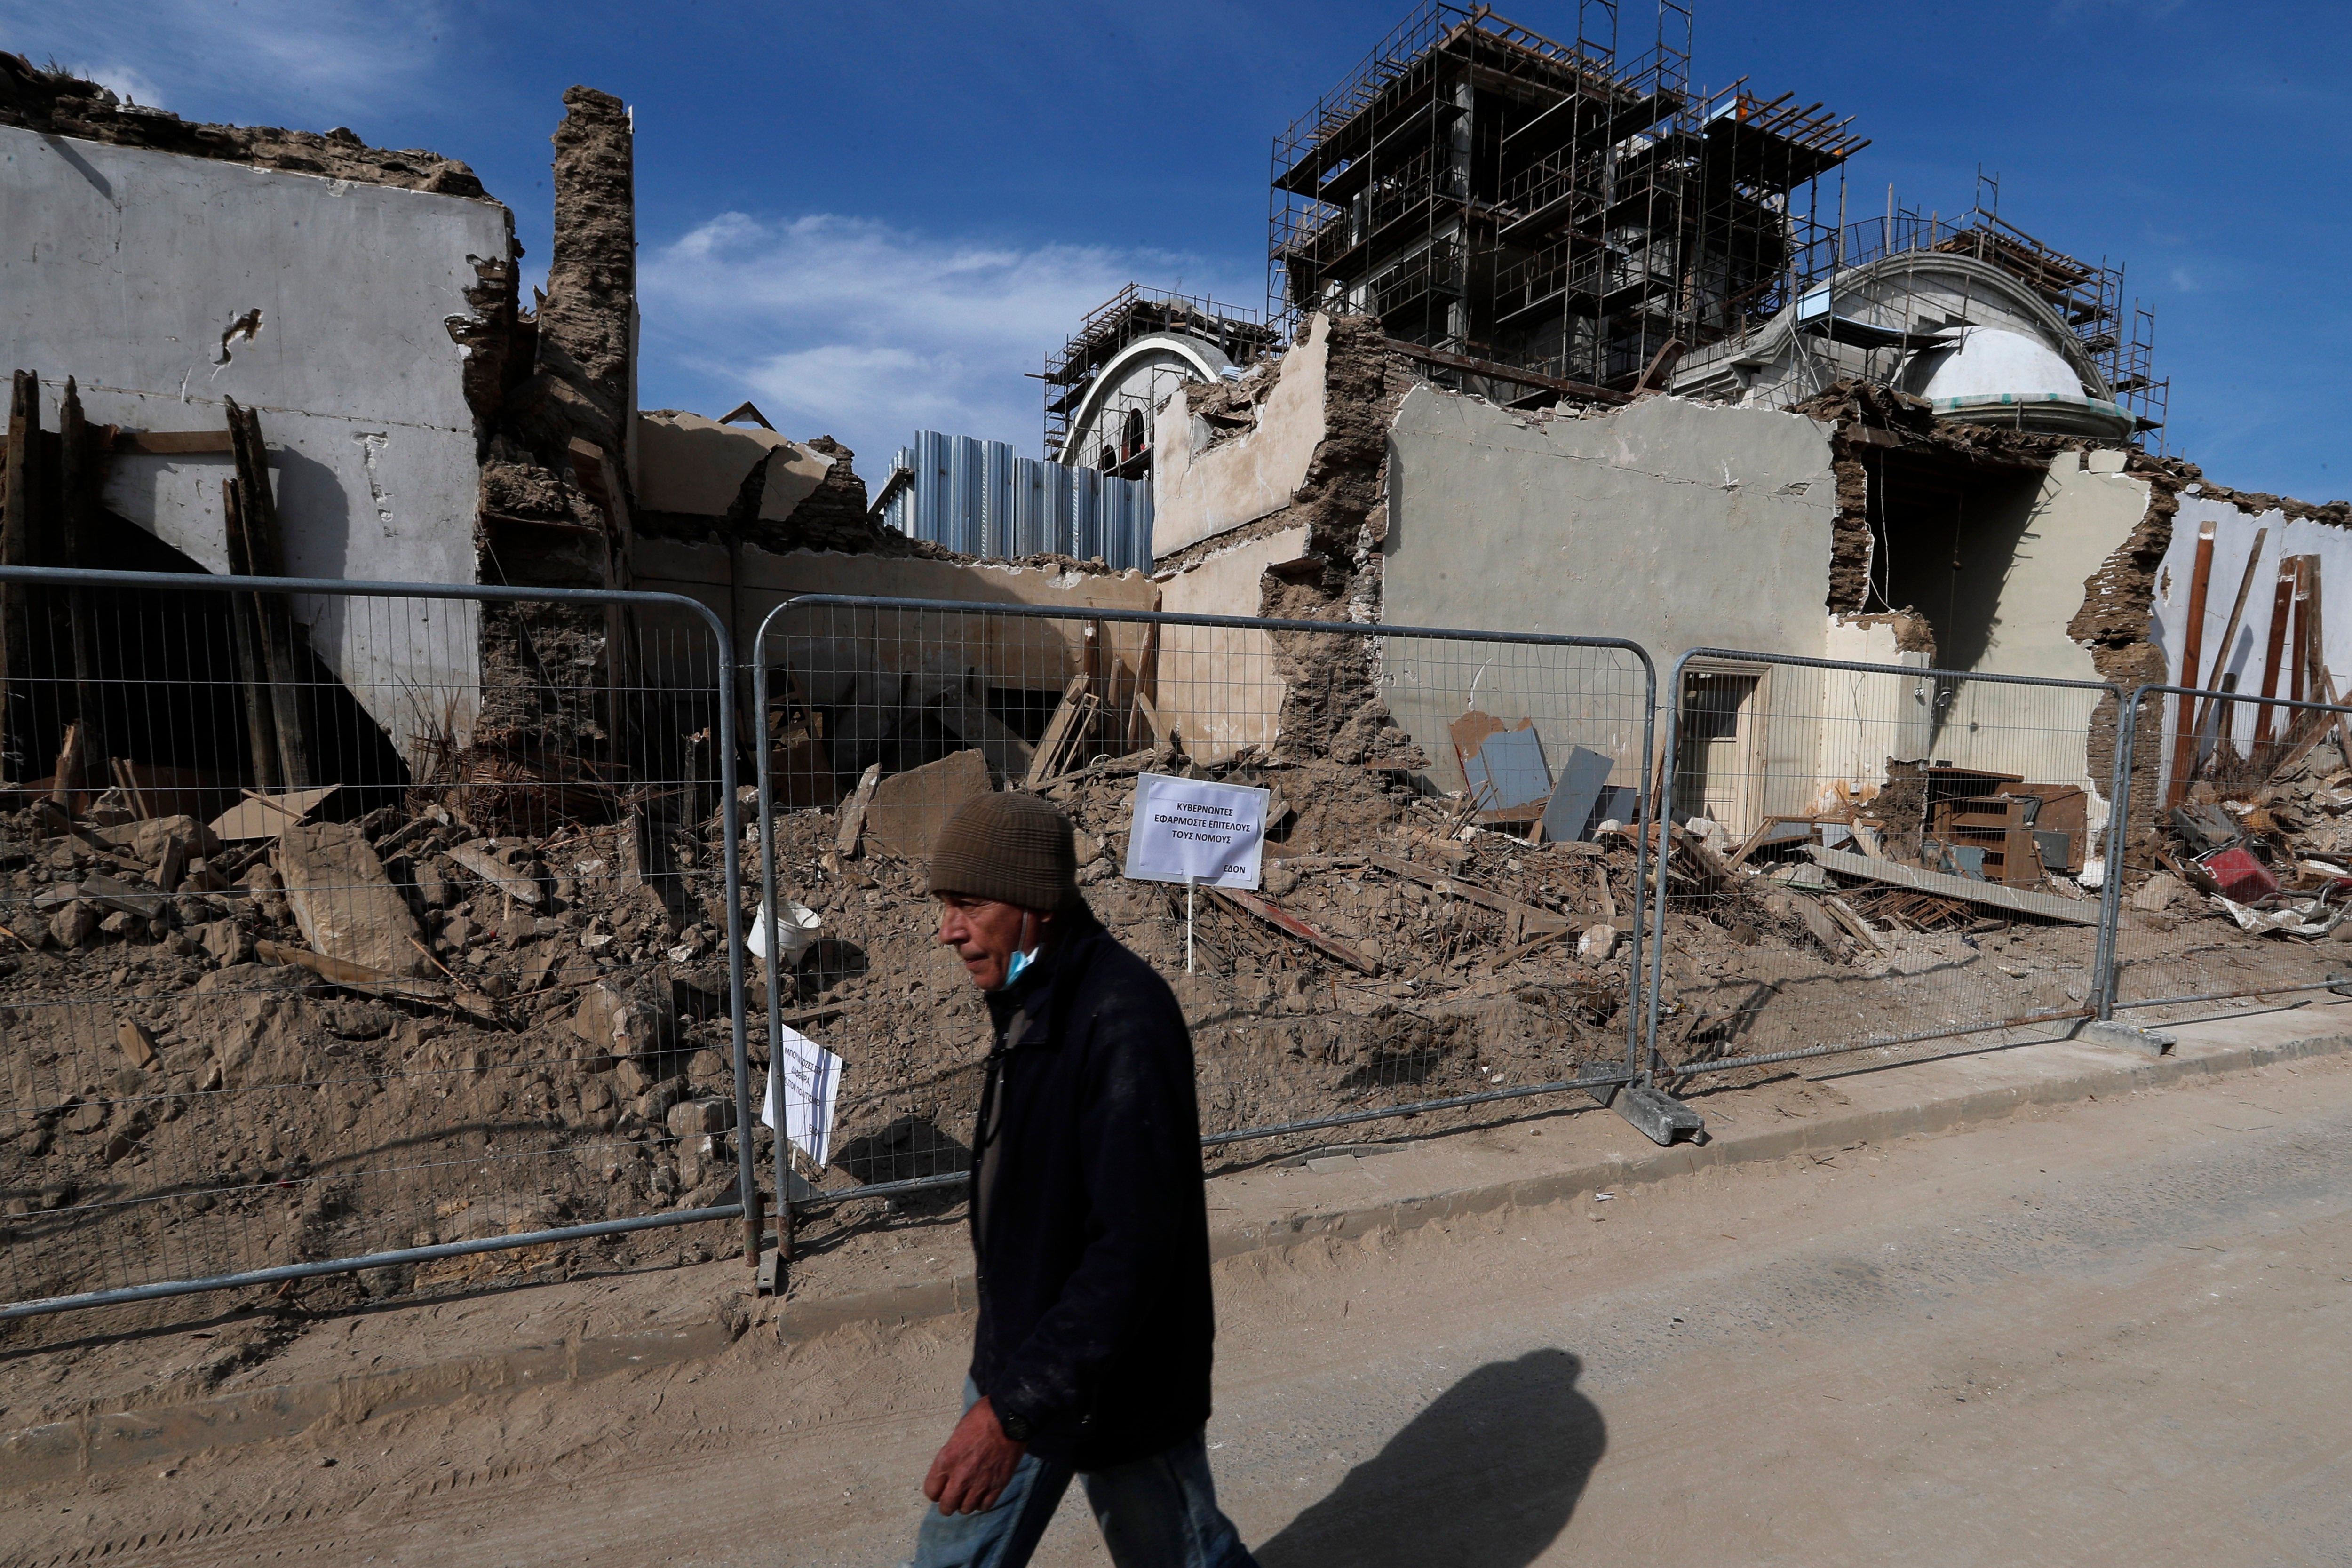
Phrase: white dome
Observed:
(1991, 361)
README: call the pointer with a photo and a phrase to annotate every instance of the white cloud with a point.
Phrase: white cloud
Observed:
(255, 62)
(129, 82)
(848, 327)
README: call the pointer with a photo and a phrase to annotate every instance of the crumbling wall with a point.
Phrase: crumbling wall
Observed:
(364, 320)
(55, 103)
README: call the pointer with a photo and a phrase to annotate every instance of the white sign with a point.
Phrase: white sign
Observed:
(1189, 830)
(812, 1079)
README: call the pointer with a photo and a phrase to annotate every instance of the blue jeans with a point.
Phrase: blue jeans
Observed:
(1155, 1512)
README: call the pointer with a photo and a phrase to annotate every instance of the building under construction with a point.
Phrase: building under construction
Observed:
(1508, 203)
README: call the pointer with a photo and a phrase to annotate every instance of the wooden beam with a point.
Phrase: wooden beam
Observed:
(2228, 638)
(1291, 925)
(261, 740)
(2282, 607)
(2192, 645)
(266, 548)
(19, 486)
(1503, 372)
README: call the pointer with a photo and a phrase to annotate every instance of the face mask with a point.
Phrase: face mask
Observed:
(1020, 964)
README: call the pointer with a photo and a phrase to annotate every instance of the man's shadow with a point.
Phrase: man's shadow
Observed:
(1485, 1477)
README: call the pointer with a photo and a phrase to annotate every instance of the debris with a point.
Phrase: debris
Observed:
(908, 810)
(1598, 944)
(369, 980)
(509, 872)
(1525, 919)
(2049, 906)
(1009, 756)
(1292, 925)
(137, 1043)
(1503, 768)
(1065, 733)
(266, 816)
(852, 815)
(346, 906)
(1582, 797)
(2290, 916)
(796, 930)
(2237, 875)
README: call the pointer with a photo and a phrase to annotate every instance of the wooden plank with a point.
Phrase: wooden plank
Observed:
(1162, 732)
(1531, 920)
(18, 485)
(2192, 647)
(260, 736)
(1283, 921)
(2282, 607)
(2229, 638)
(1852, 920)
(267, 548)
(174, 443)
(81, 454)
(1968, 889)
(1061, 732)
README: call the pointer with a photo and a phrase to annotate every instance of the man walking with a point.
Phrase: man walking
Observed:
(1089, 1218)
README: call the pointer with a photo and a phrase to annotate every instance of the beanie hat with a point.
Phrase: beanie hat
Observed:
(1014, 847)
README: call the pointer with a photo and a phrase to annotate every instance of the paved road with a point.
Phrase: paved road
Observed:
(2116, 1332)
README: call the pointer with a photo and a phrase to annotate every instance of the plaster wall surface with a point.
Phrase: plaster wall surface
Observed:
(743, 585)
(2233, 540)
(2025, 577)
(1220, 685)
(1199, 497)
(688, 464)
(1666, 523)
(126, 268)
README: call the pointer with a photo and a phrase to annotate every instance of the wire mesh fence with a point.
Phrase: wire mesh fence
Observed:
(1447, 911)
(357, 923)
(2233, 875)
(1864, 855)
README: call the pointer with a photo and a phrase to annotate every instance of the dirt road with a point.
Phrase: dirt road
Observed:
(2118, 1332)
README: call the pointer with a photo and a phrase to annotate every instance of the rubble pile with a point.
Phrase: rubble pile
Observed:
(378, 1032)
(2273, 856)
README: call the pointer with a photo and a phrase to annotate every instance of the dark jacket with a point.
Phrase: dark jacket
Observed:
(1089, 1212)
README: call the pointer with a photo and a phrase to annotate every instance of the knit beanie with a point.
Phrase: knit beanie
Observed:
(1012, 846)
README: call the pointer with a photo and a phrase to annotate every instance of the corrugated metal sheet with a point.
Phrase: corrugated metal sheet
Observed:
(977, 499)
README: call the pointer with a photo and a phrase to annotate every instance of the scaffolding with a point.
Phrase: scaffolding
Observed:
(2089, 296)
(1132, 314)
(1536, 217)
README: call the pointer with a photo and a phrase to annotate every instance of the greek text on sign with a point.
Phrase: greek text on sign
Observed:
(1190, 830)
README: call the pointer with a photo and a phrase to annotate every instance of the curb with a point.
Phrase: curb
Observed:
(99, 1443)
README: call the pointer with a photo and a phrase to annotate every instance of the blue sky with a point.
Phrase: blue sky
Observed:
(874, 217)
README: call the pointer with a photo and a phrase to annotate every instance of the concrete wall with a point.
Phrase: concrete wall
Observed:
(1666, 523)
(124, 267)
(1199, 497)
(2077, 517)
(744, 584)
(691, 464)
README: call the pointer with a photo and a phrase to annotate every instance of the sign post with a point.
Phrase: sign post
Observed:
(1195, 832)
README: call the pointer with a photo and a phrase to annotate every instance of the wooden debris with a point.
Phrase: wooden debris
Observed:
(516, 882)
(1292, 925)
(2017, 901)
(1065, 733)
(1529, 918)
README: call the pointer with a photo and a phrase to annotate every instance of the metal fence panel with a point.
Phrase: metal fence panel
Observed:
(1867, 855)
(359, 925)
(2266, 785)
(1439, 965)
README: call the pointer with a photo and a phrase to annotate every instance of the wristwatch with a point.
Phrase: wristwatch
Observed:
(1014, 1426)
